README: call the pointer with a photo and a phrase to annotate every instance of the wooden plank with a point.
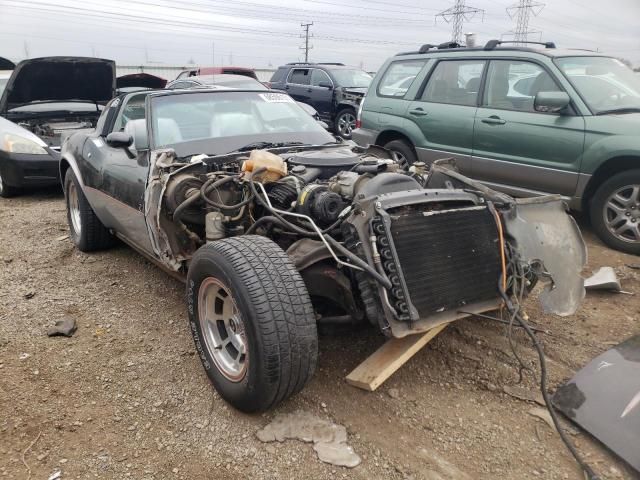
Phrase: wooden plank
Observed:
(382, 363)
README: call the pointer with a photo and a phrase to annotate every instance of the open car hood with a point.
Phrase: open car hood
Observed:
(6, 64)
(59, 79)
(142, 80)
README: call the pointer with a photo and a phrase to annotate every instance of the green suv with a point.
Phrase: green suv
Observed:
(523, 120)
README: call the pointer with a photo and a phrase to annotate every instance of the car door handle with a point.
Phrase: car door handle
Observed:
(309, 90)
(494, 120)
(418, 112)
(286, 87)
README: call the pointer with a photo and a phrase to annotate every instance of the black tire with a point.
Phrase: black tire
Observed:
(403, 148)
(88, 233)
(346, 116)
(7, 191)
(277, 318)
(599, 211)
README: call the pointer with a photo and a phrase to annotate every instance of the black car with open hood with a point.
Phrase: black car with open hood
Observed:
(45, 100)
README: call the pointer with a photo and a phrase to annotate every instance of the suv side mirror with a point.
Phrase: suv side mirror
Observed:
(325, 85)
(119, 140)
(551, 102)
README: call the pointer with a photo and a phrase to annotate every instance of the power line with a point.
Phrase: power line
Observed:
(456, 15)
(522, 12)
(306, 47)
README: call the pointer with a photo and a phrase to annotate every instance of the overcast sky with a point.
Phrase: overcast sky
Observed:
(263, 33)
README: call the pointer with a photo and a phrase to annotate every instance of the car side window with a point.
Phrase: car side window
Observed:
(133, 109)
(399, 77)
(318, 76)
(455, 82)
(179, 85)
(513, 85)
(300, 76)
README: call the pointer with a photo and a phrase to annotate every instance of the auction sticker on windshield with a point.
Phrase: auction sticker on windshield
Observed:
(276, 97)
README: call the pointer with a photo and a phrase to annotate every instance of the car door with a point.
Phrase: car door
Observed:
(322, 91)
(122, 176)
(444, 111)
(518, 149)
(298, 84)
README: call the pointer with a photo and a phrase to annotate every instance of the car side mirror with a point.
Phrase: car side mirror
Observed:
(325, 85)
(119, 140)
(551, 102)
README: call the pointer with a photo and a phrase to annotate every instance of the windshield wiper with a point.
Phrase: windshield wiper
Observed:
(259, 145)
(620, 110)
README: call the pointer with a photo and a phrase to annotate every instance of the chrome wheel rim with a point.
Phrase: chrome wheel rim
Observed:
(622, 213)
(346, 124)
(223, 329)
(74, 208)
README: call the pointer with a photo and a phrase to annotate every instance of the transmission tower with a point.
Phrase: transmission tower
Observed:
(306, 47)
(522, 12)
(457, 15)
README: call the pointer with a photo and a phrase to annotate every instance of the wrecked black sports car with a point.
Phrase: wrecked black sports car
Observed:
(276, 227)
(44, 100)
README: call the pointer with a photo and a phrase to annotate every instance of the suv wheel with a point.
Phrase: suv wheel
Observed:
(85, 229)
(403, 150)
(6, 191)
(615, 211)
(345, 122)
(252, 321)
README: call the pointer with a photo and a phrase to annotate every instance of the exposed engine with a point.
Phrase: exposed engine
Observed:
(54, 131)
(404, 248)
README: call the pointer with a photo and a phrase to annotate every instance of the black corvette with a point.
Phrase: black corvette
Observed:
(275, 227)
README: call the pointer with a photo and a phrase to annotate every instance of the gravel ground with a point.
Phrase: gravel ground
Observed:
(126, 396)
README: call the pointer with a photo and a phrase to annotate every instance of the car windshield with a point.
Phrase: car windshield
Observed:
(230, 120)
(3, 82)
(606, 84)
(352, 78)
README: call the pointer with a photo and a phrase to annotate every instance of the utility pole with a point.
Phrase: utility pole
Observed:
(26, 49)
(306, 47)
(522, 12)
(456, 16)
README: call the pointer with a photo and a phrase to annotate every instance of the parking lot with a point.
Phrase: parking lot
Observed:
(126, 396)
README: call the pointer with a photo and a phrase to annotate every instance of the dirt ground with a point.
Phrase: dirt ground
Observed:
(126, 397)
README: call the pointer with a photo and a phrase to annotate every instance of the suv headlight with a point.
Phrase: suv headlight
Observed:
(16, 144)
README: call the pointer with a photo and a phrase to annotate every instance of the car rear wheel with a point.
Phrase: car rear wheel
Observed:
(85, 229)
(346, 123)
(7, 191)
(615, 211)
(403, 150)
(252, 321)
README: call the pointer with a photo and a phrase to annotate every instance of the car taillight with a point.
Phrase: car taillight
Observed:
(359, 115)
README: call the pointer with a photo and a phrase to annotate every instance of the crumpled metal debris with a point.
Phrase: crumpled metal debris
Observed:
(65, 327)
(329, 440)
(604, 279)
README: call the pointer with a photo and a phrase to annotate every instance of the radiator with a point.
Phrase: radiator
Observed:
(444, 259)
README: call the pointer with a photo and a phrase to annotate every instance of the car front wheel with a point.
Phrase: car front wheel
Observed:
(6, 191)
(252, 321)
(85, 229)
(346, 123)
(615, 212)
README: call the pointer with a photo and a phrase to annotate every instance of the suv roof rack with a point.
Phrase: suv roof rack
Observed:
(338, 64)
(492, 44)
(300, 63)
(442, 46)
